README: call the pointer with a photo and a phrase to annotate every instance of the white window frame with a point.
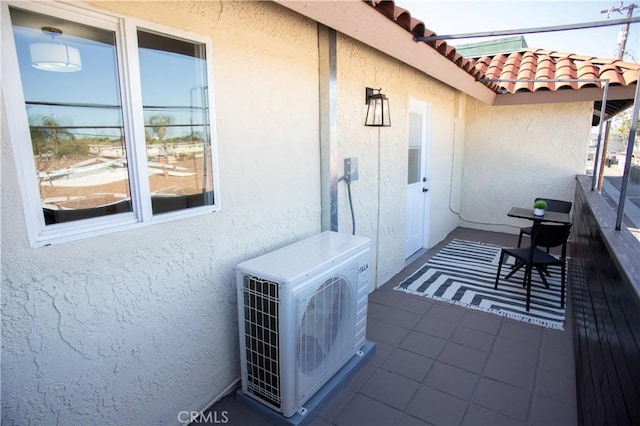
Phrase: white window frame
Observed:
(125, 29)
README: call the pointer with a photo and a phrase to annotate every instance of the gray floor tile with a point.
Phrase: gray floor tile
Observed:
(556, 386)
(480, 416)
(416, 304)
(435, 327)
(557, 362)
(482, 321)
(366, 411)
(336, 405)
(407, 420)
(548, 411)
(445, 312)
(464, 357)
(521, 331)
(382, 352)
(319, 421)
(390, 388)
(473, 338)
(515, 351)
(423, 344)
(390, 334)
(376, 311)
(510, 372)
(452, 380)
(436, 407)
(400, 300)
(235, 412)
(408, 364)
(404, 319)
(361, 377)
(503, 398)
(558, 341)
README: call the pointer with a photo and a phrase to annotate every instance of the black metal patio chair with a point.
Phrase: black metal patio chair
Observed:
(553, 206)
(542, 236)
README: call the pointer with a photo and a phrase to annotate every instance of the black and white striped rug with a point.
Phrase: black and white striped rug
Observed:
(464, 272)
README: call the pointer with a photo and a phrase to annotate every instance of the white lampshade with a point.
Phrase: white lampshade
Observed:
(56, 57)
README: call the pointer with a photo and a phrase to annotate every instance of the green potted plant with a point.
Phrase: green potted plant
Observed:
(539, 207)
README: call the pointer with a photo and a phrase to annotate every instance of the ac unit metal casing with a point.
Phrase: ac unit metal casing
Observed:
(302, 314)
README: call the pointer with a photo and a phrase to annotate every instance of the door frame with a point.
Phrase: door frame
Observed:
(425, 109)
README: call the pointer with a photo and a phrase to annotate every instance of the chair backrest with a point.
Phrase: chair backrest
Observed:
(557, 205)
(546, 235)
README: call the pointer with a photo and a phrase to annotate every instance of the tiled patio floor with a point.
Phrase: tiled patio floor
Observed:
(440, 364)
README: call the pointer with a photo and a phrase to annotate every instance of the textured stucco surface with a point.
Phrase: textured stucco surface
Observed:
(379, 196)
(134, 327)
(514, 154)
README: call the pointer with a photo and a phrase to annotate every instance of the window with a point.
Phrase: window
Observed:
(118, 118)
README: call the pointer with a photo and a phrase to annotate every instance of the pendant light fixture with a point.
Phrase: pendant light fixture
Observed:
(377, 109)
(54, 56)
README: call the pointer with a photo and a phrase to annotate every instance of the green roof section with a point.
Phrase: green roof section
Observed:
(492, 47)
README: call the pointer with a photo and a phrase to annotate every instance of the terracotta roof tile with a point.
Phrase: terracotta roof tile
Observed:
(526, 64)
(402, 18)
(630, 76)
(613, 74)
(417, 27)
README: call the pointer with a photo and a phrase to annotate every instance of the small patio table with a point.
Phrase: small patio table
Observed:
(549, 216)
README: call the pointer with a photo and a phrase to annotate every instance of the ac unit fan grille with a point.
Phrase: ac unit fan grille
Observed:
(261, 325)
(319, 330)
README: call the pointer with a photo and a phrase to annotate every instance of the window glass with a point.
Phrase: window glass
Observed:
(415, 150)
(176, 116)
(72, 97)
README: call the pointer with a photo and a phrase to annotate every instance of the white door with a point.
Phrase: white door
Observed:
(417, 179)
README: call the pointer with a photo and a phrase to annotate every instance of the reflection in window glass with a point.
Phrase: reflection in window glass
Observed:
(415, 151)
(414, 166)
(70, 86)
(176, 111)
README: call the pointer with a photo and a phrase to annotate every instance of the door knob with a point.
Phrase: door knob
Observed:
(425, 190)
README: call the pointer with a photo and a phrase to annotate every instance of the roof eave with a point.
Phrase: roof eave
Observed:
(365, 24)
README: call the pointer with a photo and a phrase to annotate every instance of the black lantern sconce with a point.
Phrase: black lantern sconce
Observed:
(377, 109)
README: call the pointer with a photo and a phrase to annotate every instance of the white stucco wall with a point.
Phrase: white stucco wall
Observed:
(517, 153)
(379, 195)
(134, 327)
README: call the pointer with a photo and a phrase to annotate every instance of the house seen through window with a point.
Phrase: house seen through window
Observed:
(112, 133)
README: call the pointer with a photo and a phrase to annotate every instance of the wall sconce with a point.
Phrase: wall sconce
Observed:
(377, 109)
(57, 57)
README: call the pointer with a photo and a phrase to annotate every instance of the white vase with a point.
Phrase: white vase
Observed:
(538, 212)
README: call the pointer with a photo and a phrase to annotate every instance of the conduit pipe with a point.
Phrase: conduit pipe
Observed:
(521, 31)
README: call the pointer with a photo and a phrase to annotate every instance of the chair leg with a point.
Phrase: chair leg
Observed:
(528, 284)
(515, 268)
(541, 272)
(520, 239)
(562, 285)
(499, 269)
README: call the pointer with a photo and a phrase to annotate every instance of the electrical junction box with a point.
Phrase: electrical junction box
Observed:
(350, 169)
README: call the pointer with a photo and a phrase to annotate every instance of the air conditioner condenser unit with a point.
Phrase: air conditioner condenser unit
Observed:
(302, 314)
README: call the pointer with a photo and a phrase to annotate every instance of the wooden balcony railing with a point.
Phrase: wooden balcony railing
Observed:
(605, 296)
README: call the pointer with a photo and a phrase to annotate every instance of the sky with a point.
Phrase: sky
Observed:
(473, 16)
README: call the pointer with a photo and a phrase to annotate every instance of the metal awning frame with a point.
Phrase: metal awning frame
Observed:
(521, 31)
(627, 163)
